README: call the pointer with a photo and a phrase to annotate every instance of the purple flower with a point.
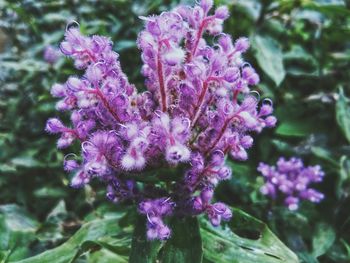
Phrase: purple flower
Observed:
(198, 109)
(291, 180)
(51, 54)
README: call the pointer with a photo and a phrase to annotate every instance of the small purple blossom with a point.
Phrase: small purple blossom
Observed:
(291, 180)
(197, 110)
(51, 54)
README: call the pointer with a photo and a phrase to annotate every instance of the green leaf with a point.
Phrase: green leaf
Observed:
(68, 251)
(294, 128)
(323, 239)
(343, 182)
(270, 58)
(256, 244)
(25, 161)
(185, 244)
(143, 251)
(343, 113)
(325, 155)
(17, 230)
(106, 256)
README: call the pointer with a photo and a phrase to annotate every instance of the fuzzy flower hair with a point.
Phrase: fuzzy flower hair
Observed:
(198, 108)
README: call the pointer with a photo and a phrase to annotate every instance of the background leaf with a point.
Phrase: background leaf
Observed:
(343, 113)
(68, 251)
(269, 56)
(258, 244)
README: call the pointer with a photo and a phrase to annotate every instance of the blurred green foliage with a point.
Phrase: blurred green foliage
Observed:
(301, 49)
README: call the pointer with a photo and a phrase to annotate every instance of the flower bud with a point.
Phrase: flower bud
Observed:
(225, 42)
(222, 12)
(248, 120)
(250, 76)
(232, 74)
(54, 125)
(206, 195)
(70, 165)
(265, 109)
(247, 141)
(153, 28)
(270, 121)
(58, 90)
(94, 74)
(206, 5)
(242, 44)
(177, 153)
(65, 140)
(174, 56)
(224, 173)
(66, 48)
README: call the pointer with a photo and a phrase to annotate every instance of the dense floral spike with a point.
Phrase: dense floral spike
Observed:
(197, 110)
(290, 180)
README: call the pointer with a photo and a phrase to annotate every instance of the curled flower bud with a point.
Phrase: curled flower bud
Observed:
(247, 142)
(58, 90)
(250, 76)
(153, 28)
(222, 12)
(54, 125)
(242, 44)
(70, 165)
(270, 121)
(206, 5)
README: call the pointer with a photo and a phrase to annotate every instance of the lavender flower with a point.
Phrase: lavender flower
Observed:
(290, 180)
(198, 108)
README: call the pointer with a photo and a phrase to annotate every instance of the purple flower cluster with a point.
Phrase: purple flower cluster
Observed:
(291, 180)
(198, 108)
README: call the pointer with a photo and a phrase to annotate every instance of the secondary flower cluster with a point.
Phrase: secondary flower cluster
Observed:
(291, 180)
(163, 148)
(51, 54)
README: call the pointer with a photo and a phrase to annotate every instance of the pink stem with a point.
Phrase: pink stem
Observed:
(106, 104)
(227, 122)
(198, 109)
(161, 81)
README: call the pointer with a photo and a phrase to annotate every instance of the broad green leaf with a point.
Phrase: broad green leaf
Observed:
(323, 239)
(343, 113)
(185, 244)
(92, 231)
(294, 128)
(224, 245)
(17, 230)
(50, 192)
(143, 251)
(106, 256)
(25, 161)
(324, 154)
(269, 56)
